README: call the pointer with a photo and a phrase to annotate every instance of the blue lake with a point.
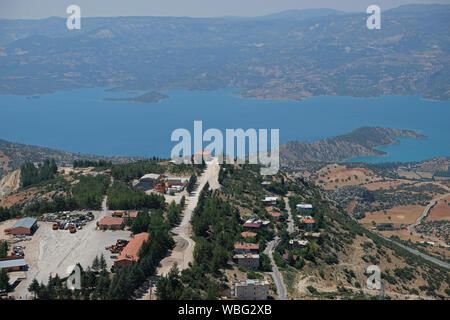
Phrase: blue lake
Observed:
(80, 121)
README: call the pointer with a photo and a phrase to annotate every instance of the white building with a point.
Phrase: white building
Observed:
(297, 243)
(272, 200)
(251, 289)
(304, 208)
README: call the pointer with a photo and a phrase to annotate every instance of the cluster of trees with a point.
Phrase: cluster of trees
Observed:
(134, 170)
(141, 222)
(91, 163)
(86, 194)
(4, 280)
(124, 197)
(216, 226)
(277, 187)
(245, 179)
(174, 213)
(127, 280)
(186, 285)
(55, 289)
(6, 213)
(94, 281)
(185, 168)
(58, 203)
(264, 263)
(4, 247)
(190, 284)
(30, 174)
(89, 191)
(442, 173)
(191, 183)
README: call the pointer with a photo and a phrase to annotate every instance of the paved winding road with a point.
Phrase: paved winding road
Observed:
(277, 278)
(426, 211)
(418, 253)
(276, 275)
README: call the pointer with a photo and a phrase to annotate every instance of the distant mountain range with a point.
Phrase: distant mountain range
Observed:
(360, 142)
(289, 55)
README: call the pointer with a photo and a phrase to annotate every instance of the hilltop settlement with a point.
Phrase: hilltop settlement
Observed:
(153, 229)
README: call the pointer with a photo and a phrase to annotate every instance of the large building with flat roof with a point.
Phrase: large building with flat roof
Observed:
(249, 260)
(24, 226)
(149, 181)
(251, 289)
(13, 265)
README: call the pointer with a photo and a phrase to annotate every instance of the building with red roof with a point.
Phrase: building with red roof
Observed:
(247, 234)
(110, 223)
(246, 247)
(130, 253)
(252, 225)
(309, 222)
(274, 212)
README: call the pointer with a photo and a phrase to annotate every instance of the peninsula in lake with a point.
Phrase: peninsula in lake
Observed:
(360, 142)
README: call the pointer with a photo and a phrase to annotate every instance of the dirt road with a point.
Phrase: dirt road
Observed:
(425, 213)
(182, 254)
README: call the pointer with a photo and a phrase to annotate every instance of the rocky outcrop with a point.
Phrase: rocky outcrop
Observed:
(9, 183)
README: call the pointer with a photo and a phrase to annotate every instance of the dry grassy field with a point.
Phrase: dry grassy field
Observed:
(397, 215)
(441, 211)
(386, 184)
(334, 175)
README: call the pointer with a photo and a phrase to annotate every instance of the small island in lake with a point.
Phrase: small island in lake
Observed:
(148, 97)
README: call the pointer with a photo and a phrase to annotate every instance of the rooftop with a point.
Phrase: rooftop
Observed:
(304, 206)
(248, 246)
(276, 214)
(12, 263)
(252, 225)
(247, 256)
(133, 214)
(151, 176)
(203, 152)
(312, 234)
(111, 221)
(252, 282)
(25, 222)
(286, 256)
(131, 250)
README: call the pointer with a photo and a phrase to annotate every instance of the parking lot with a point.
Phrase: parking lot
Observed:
(51, 251)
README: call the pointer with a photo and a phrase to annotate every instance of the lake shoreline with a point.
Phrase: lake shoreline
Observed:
(82, 121)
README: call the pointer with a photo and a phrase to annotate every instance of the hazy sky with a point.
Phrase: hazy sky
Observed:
(36, 9)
